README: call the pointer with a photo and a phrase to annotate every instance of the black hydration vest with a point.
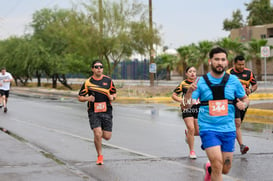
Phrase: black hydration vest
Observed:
(218, 91)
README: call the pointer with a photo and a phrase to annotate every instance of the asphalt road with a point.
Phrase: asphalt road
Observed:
(51, 140)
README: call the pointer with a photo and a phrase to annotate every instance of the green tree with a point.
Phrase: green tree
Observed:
(235, 22)
(167, 62)
(13, 53)
(204, 48)
(233, 47)
(254, 54)
(64, 34)
(260, 12)
(184, 52)
(124, 29)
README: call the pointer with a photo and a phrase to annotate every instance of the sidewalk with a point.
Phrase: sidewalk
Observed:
(19, 161)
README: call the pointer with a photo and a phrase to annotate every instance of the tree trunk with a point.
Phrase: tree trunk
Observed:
(54, 81)
(184, 66)
(16, 81)
(168, 76)
(23, 81)
(63, 80)
(108, 64)
(206, 68)
(258, 69)
(38, 79)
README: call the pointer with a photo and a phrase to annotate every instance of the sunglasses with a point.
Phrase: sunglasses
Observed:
(98, 66)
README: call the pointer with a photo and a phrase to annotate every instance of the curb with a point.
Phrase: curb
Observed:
(261, 96)
(260, 112)
(63, 95)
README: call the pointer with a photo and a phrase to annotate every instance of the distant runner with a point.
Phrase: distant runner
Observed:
(189, 115)
(100, 91)
(250, 85)
(5, 81)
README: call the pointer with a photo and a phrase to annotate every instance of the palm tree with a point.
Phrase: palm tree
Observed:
(233, 47)
(168, 62)
(254, 54)
(183, 52)
(204, 48)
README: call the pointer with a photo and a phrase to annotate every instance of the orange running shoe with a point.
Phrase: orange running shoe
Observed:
(100, 160)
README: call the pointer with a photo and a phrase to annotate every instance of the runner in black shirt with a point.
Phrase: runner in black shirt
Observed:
(189, 115)
(249, 82)
(100, 91)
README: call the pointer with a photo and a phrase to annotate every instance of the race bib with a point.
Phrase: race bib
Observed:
(218, 107)
(100, 107)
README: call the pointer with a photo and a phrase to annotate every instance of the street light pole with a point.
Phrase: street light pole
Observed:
(151, 42)
(100, 25)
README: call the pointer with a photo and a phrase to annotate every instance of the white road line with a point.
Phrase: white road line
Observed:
(122, 148)
(87, 139)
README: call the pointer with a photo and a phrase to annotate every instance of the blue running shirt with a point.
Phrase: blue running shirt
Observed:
(233, 90)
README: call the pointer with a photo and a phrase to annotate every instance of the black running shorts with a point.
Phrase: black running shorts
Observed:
(191, 112)
(4, 93)
(103, 120)
(240, 113)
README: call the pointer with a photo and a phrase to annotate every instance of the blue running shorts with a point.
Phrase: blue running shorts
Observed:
(225, 139)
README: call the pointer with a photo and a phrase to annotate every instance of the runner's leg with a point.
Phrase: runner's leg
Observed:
(196, 127)
(238, 131)
(107, 135)
(216, 159)
(98, 139)
(189, 121)
(227, 158)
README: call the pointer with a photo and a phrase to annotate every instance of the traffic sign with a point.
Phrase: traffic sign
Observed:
(265, 51)
(152, 68)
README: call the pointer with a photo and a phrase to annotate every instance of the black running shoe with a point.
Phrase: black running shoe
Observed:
(5, 109)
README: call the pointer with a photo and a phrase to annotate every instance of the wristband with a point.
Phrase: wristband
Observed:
(245, 104)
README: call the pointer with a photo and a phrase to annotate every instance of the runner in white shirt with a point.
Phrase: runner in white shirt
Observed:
(5, 80)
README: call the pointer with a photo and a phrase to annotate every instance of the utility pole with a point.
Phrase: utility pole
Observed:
(100, 25)
(151, 42)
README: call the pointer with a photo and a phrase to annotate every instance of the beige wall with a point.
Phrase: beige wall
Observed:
(246, 33)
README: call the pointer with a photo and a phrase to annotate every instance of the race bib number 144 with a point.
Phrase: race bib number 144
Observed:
(218, 107)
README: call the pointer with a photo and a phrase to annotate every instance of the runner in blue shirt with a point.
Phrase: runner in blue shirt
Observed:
(217, 92)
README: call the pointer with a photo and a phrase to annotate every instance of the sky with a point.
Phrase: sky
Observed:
(182, 22)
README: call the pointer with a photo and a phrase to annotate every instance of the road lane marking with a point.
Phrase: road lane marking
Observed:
(88, 139)
(121, 148)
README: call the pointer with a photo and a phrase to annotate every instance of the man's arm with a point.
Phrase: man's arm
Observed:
(8, 80)
(112, 97)
(242, 103)
(187, 102)
(254, 84)
(176, 98)
(252, 89)
(86, 98)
